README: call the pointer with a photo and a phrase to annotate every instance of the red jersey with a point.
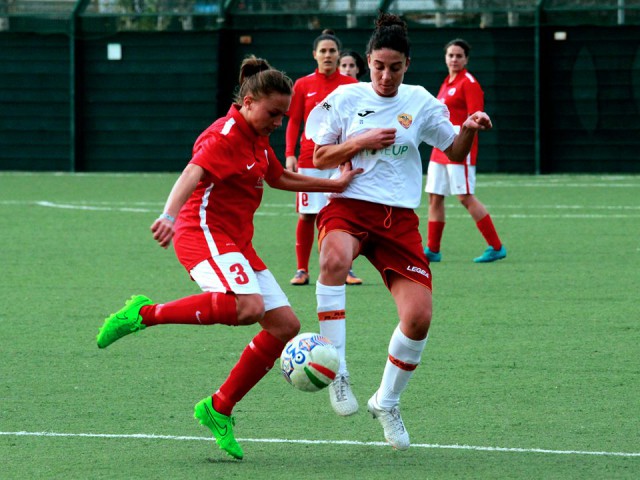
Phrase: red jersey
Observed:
(218, 217)
(463, 96)
(307, 93)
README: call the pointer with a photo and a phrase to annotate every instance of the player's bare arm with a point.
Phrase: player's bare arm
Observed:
(296, 182)
(331, 156)
(162, 228)
(461, 146)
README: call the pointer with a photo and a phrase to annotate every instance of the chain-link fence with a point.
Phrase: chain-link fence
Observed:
(158, 15)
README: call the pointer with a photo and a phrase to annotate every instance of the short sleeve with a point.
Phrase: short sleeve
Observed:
(323, 123)
(474, 96)
(211, 155)
(437, 130)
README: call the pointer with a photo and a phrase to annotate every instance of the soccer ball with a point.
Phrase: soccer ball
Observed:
(309, 362)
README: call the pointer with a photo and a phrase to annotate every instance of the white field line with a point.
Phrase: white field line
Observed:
(274, 209)
(509, 181)
(323, 442)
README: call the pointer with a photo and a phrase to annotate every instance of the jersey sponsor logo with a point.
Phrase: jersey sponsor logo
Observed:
(392, 151)
(451, 91)
(417, 270)
(311, 94)
(405, 120)
(249, 167)
(326, 106)
(364, 113)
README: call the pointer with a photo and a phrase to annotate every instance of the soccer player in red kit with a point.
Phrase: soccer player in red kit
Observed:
(462, 94)
(209, 215)
(309, 91)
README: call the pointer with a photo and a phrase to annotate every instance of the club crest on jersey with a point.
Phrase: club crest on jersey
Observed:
(405, 120)
(451, 91)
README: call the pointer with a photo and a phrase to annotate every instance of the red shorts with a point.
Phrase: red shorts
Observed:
(389, 236)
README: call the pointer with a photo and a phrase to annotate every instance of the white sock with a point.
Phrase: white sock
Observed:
(404, 357)
(331, 314)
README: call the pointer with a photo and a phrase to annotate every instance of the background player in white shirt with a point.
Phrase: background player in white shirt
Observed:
(378, 126)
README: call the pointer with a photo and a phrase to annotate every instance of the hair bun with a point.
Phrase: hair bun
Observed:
(391, 20)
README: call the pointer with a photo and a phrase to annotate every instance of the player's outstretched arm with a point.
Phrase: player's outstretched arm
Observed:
(162, 228)
(296, 182)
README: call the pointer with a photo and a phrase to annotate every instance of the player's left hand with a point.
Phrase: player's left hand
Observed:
(478, 121)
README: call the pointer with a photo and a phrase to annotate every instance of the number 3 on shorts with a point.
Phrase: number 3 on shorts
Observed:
(241, 276)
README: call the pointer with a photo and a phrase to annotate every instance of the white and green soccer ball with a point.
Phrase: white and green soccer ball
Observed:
(309, 362)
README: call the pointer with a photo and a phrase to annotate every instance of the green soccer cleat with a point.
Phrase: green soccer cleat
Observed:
(491, 255)
(125, 321)
(220, 425)
(432, 256)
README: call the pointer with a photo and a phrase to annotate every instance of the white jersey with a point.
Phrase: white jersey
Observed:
(392, 176)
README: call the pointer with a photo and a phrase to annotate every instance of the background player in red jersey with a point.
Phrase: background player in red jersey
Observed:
(309, 91)
(462, 94)
(209, 215)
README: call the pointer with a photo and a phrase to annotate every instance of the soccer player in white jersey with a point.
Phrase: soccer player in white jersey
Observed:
(378, 126)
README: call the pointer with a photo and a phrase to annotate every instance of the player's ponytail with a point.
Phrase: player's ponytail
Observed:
(258, 79)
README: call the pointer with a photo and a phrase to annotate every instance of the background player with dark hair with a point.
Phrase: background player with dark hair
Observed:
(308, 91)
(462, 94)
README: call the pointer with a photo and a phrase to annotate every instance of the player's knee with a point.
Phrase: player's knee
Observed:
(250, 309)
(417, 325)
(290, 328)
(335, 261)
(282, 323)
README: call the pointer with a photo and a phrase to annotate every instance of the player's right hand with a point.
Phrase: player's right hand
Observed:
(162, 230)
(376, 138)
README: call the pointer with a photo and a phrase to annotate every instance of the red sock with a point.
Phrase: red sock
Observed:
(256, 360)
(202, 309)
(304, 242)
(434, 235)
(488, 231)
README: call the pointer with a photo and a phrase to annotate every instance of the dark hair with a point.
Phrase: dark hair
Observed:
(258, 79)
(327, 35)
(360, 63)
(390, 32)
(459, 42)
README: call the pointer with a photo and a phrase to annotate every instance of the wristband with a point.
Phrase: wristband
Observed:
(166, 216)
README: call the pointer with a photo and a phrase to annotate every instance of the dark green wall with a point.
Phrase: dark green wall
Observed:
(591, 114)
(143, 113)
(34, 102)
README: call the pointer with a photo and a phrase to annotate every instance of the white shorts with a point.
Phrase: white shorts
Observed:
(451, 179)
(231, 272)
(312, 202)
